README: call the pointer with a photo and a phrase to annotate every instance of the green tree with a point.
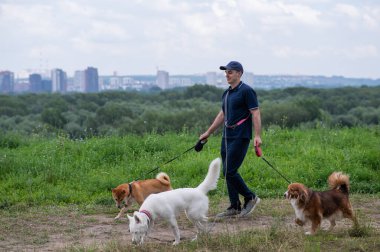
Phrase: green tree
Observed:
(53, 117)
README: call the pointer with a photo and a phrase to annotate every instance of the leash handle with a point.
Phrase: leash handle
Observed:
(258, 151)
(199, 145)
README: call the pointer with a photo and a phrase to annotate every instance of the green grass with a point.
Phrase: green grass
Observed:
(40, 171)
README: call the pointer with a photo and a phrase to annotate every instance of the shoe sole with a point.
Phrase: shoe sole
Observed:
(253, 208)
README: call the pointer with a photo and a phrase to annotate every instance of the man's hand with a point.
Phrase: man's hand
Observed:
(258, 151)
(204, 136)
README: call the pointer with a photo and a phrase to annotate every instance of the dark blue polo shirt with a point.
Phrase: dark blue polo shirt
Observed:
(239, 102)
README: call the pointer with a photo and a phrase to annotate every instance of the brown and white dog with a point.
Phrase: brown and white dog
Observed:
(311, 206)
(138, 191)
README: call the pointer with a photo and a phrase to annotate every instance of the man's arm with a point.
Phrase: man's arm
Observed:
(256, 120)
(219, 119)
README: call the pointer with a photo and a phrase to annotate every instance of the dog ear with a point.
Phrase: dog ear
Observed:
(137, 219)
(303, 195)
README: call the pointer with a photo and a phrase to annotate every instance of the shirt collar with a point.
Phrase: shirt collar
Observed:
(236, 88)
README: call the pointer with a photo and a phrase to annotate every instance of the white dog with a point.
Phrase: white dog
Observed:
(168, 204)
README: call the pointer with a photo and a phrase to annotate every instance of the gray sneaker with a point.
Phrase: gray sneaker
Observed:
(228, 213)
(249, 206)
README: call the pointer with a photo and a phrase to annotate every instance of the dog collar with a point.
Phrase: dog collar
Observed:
(147, 213)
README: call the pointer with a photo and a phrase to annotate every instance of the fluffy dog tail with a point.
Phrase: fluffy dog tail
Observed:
(339, 181)
(163, 178)
(211, 180)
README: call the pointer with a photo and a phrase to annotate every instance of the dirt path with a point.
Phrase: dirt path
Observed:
(56, 229)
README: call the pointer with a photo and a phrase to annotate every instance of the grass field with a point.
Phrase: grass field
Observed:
(55, 184)
(39, 171)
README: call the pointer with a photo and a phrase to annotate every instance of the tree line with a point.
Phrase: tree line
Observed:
(191, 109)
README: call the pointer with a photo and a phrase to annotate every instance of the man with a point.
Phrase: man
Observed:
(240, 112)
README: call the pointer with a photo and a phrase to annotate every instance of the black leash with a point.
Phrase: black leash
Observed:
(197, 147)
(259, 154)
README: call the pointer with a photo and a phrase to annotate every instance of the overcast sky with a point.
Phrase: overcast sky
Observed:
(310, 37)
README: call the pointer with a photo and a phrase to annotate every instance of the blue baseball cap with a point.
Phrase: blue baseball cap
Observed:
(233, 65)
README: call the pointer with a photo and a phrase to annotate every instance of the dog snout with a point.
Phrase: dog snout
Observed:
(286, 195)
(121, 205)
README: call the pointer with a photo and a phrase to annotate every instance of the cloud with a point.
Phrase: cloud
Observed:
(291, 52)
(282, 13)
(107, 32)
(348, 10)
(136, 35)
(359, 17)
(51, 50)
(34, 20)
(302, 14)
(167, 6)
(362, 52)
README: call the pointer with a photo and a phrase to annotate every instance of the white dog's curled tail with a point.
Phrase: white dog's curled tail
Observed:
(211, 180)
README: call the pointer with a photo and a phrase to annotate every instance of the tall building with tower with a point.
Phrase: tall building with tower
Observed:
(6, 82)
(91, 80)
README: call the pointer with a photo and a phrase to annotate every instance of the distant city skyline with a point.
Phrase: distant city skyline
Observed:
(89, 81)
(23, 74)
(269, 37)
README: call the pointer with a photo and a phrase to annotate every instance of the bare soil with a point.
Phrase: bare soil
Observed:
(59, 228)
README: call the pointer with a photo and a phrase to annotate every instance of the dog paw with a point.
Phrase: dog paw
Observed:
(175, 243)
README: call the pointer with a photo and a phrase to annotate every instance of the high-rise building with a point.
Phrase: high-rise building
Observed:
(162, 79)
(91, 80)
(6, 82)
(79, 82)
(46, 86)
(35, 83)
(59, 81)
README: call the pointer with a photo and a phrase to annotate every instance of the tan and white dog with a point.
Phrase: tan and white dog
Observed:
(312, 206)
(167, 205)
(138, 191)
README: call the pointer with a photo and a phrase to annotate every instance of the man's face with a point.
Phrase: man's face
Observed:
(232, 76)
